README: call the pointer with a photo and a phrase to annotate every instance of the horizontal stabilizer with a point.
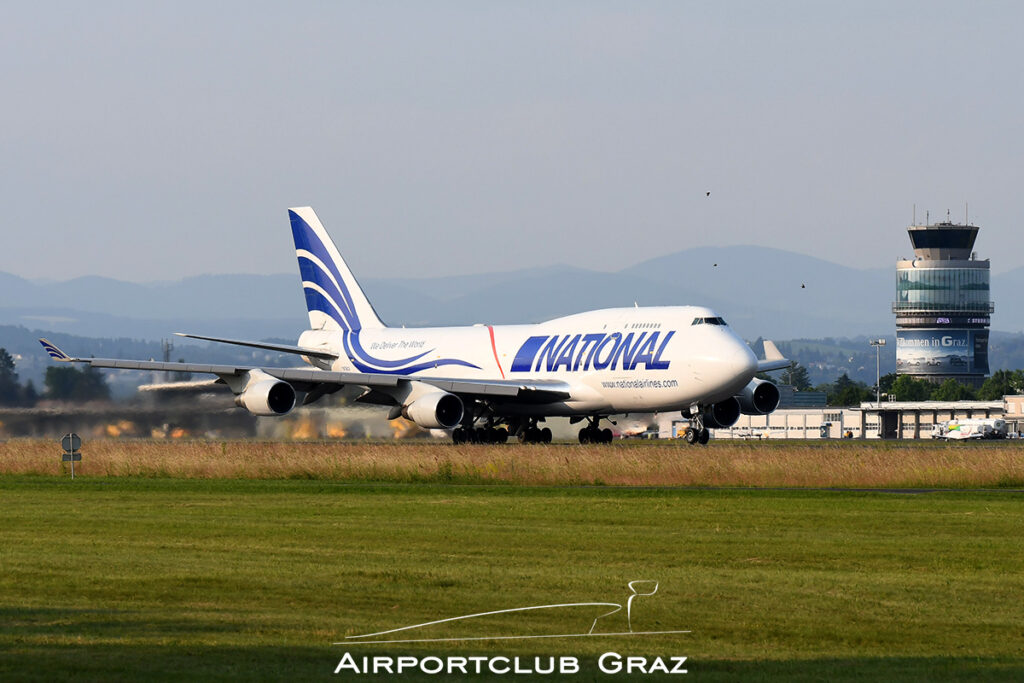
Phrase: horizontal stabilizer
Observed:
(280, 348)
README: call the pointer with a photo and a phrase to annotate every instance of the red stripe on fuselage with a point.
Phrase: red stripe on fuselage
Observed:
(495, 349)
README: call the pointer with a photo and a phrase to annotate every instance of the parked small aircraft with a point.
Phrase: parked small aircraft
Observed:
(976, 428)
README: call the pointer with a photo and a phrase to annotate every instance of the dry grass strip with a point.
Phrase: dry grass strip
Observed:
(797, 464)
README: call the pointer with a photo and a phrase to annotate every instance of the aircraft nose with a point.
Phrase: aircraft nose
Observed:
(733, 366)
(740, 359)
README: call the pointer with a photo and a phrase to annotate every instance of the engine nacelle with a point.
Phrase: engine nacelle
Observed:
(722, 414)
(267, 397)
(435, 410)
(760, 397)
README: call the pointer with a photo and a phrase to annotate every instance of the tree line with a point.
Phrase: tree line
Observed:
(62, 383)
(847, 392)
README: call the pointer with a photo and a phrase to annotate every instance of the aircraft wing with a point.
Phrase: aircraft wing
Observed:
(320, 382)
(536, 391)
(186, 387)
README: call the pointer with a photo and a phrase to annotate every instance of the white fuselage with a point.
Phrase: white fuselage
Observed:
(614, 360)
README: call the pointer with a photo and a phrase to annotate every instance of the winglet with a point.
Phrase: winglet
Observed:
(54, 352)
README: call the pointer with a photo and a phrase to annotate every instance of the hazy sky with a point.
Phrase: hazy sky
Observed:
(148, 141)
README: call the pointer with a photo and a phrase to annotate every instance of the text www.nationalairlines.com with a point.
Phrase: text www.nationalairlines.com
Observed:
(641, 384)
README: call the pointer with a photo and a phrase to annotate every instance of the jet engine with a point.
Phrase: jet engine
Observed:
(435, 410)
(267, 397)
(760, 397)
(722, 414)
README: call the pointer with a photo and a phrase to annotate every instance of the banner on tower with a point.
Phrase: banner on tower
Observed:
(942, 352)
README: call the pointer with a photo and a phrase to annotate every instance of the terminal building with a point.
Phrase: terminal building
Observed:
(943, 308)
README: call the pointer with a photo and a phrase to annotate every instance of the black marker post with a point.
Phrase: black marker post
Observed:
(71, 443)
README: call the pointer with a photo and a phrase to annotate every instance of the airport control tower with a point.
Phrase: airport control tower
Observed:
(942, 306)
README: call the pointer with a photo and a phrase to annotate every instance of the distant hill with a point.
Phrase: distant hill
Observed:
(760, 292)
(777, 293)
(240, 305)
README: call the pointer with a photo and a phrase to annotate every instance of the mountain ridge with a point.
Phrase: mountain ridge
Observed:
(761, 291)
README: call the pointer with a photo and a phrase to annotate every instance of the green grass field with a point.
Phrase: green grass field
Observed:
(205, 579)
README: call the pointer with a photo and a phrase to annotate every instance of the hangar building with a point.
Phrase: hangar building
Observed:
(887, 420)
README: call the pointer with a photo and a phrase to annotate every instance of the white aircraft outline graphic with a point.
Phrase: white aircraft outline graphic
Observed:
(618, 608)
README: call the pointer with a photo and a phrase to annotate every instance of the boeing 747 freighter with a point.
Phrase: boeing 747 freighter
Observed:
(486, 383)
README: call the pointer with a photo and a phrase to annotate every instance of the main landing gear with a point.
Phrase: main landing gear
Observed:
(479, 435)
(525, 431)
(592, 433)
(530, 433)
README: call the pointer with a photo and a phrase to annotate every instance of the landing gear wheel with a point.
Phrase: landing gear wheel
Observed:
(500, 435)
(594, 434)
(458, 435)
(704, 436)
(691, 436)
(545, 435)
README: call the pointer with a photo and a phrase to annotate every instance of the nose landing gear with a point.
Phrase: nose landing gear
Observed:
(697, 433)
(694, 436)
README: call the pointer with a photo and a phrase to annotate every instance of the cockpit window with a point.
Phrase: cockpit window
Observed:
(708, 321)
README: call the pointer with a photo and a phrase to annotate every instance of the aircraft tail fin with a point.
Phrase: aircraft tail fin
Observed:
(771, 351)
(773, 358)
(333, 297)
